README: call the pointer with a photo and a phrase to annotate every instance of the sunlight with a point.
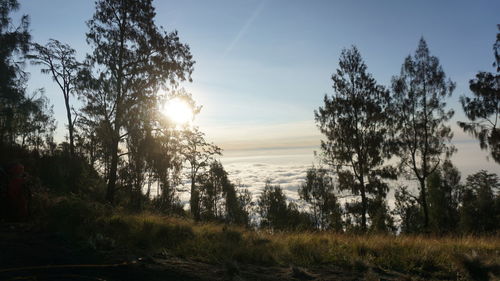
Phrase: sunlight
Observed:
(178, 111)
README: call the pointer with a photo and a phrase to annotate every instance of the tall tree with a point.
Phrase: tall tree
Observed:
(132, 58)
(355, 123)
(422, 134)
(14, 43)
(59, 61)
(483, 110)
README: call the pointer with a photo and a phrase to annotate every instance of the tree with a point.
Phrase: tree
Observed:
(37, 124)
(299, 220)
(132, 59)
(272, 207)
(421, 133)
(214, 184)
(408, 210)
(14, 43)
(381, 219)
(164, 162)
(483, 110)
(444, 191)
(245, 203)
(479, 212)
(59, 61)
(198, 153)
(355, 124)
(318, 192)
(278, 214)
(219, 198)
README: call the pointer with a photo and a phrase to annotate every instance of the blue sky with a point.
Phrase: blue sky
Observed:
(263, 66)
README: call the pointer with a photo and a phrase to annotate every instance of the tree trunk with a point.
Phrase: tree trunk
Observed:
(194, 201)
(72, 165)
(423, 202)
(363, 207)
(70, 127)
(110, 192)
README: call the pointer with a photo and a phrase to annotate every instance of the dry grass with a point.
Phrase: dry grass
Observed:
(422, 256)
(146, 233)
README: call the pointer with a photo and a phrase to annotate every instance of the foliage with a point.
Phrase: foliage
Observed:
(24, 120)
(35, 122)
(318, 191)
(219, 199)
(276, 214)
(483, 109)
(381, 219)
(272, 207)
(479, 210)
(422, 136)
(444, 192)
(198, 153)
(408, 210)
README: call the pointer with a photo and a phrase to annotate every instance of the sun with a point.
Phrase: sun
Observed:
(178, 111)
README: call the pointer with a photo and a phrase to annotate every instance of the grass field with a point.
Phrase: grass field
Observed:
(426, 257)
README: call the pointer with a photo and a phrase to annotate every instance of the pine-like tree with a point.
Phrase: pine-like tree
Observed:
(420, 111)
(355, 122)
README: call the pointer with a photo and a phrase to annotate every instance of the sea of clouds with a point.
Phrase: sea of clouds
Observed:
(287, 168)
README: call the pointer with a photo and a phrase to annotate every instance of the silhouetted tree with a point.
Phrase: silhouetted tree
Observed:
(422, 135)
(484, 109)
(132, 59)
(355, 123)
(219, 198)
(14, 43)
(198, 153)
(479, 212)
(444, 191)
(272, 207)
(244, 197)
(380, 216)
(139, 142)
(58, 60)
(318, 192)
(408, 210)
(37, 124)
(277, 214)
(92, 139)
(164, 159)
(212, 186)
(299, 220)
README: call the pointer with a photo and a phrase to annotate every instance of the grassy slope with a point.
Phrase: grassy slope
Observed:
(111, 230)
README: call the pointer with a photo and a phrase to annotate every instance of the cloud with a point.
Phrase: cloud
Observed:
(272, 152)
(284, 170)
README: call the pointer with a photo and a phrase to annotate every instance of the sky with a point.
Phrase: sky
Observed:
(263, 66)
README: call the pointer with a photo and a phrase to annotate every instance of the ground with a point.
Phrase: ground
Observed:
(28, 253)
